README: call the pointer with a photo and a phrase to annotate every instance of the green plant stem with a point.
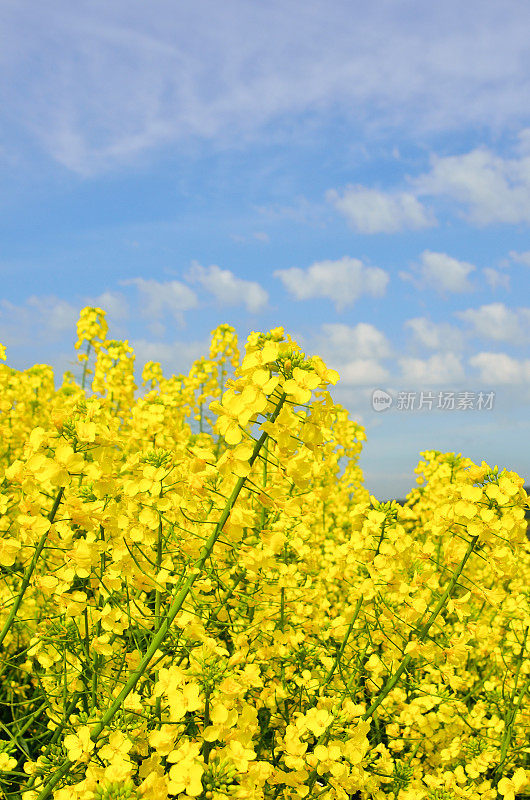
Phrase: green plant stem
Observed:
(97, 657)
(344, 642)
(158, 701)
(200, 410)
(423, 631)
(263, 513)
(213, 616)
(62, 724)
(207, 746)
(85, 367)
(406, 661)
(511, 714)
(30, 570)
(324, 737)
(175, 607)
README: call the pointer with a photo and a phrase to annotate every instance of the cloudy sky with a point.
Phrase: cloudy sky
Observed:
(356, 172)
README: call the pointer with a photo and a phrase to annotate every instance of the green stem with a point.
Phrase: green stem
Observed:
(158, 701)
(263, 514)
(404, 664)
(423, 631)
(30, 570)
(174, 609)
(380, 542)
(213, 616)
(511, 714)
(200, 410)
(85, 367)
(324, 736)
(97, 656)
(344, 642)
(221, 382)
(207, 746)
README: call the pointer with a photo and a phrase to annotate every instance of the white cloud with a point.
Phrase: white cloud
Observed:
(521, 258)
(440, 368)
(342, 281)
(114, 303)
(442, 272)
(371, 211)
(227, 71)
(363, 372)
(490, 189)
(436, 336)
(56, 315)
(496, 278)
(342, 342)
(501, 368)
(45, 318)
(354, 352)
(496, 321)
(229, 290)
(494, 189)
(174, 357)
(523, 147)
(157, 299)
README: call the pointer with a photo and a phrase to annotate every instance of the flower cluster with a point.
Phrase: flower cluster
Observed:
(199, 598)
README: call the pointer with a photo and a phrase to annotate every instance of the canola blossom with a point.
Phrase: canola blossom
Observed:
(199, 598)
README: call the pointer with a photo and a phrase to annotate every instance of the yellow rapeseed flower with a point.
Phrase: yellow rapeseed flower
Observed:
(300, 387)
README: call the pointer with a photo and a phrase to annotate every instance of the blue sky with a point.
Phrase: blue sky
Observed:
(358, 173)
